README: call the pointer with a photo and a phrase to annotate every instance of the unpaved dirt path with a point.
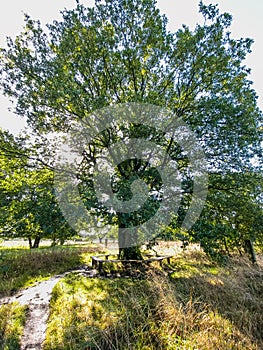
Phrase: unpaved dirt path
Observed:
(37, 298)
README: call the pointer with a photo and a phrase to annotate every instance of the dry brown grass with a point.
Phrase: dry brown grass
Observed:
(192, 304)
(234, 292)
(199, 305)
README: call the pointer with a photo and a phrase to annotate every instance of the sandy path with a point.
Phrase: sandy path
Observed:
(38, 298)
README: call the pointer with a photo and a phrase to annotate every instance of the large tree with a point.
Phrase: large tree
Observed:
(120, 51)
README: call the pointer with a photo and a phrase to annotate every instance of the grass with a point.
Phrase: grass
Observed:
(197, 305)
(20, 267)
(12, 320)
(191, 304)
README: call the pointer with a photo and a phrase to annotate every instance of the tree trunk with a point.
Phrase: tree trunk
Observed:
(130, 253)
(128, 245)
(249, 249)
(36, 242)
(30, 242)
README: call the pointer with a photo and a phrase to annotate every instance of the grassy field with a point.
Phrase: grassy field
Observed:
(198, 306)
(192, 304)
(21, 267)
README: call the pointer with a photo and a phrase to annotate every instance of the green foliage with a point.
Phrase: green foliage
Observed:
(233, 214)
(28, 205)
(120, 51)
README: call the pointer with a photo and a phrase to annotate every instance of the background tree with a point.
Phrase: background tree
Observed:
(232, 218)
(28, 205)
(120, 51)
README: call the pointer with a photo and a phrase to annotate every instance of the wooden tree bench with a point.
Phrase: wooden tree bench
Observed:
(99, 260)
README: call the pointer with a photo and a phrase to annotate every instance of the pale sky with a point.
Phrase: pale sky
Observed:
(247, 22)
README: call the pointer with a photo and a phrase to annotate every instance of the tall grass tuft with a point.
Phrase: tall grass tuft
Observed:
(211, 307)
(12, 320)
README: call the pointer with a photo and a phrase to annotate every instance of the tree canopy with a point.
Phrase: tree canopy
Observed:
(120, 51)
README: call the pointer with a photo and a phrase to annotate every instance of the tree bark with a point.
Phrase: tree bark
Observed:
(249, 249)
(30, 242)
(129, 249)
(36, 242)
